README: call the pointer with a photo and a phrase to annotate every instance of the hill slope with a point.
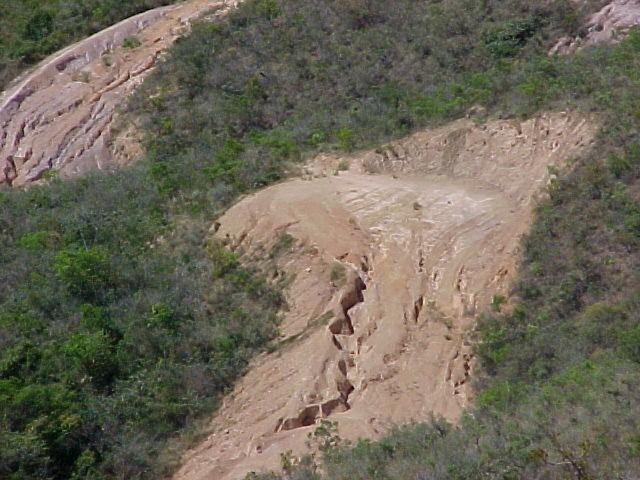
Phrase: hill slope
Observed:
(31, 30)
(60, 116)
(389, 263)
(122, 322)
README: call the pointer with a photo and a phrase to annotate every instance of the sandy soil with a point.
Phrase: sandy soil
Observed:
(390, 264)
(60, 115)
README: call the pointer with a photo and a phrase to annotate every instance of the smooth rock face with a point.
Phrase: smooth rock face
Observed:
(389, 265)
(59, 116)
(610, 24)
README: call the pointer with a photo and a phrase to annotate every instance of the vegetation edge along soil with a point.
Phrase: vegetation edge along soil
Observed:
(120, 325)
(31, 30)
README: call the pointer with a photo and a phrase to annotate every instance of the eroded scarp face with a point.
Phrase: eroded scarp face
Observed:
(60, 116)
(390, 256)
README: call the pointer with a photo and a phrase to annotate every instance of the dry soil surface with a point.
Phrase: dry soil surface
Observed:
(388, 265)
(60, 115)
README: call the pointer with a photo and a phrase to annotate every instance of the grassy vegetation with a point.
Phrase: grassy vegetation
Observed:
(32, 29)
(131, 43)
(120, 323)
(338, 274)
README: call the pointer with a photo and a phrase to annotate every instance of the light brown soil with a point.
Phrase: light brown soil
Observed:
(610, 24)
(60, 115)
(390, 265)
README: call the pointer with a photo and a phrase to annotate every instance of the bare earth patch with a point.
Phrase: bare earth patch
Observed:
(390, 256)
(60, 115)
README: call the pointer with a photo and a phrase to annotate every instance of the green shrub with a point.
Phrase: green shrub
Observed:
(22, 452)
(92, 357)
(268, 9)
(162, 315)
(86, 272)
(496, 301)
(338, 274)
(39, 26)
(632, 221)
(282, 245)
(345, 137)
(618, 164)
(227, 163)
(34, 240)
(224, 261)
(508, 39)
(343, 165)
(131, 43)
(630, 343)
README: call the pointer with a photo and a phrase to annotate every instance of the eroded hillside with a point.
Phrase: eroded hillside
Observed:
(124, 324)
(60, 116)
(389, 262)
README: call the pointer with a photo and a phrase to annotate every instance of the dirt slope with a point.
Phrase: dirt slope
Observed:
(610, 24)
(59, 116)
(388, 265)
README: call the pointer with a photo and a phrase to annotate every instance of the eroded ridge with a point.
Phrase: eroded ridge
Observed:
(609, 24)
(387, 268)
(60, 115)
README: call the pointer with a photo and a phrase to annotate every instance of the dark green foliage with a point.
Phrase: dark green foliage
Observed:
(32, 29)
(630, 343)
(508, 39)
(283, 245)
(116, 328)
(131, 42)
(85, 272)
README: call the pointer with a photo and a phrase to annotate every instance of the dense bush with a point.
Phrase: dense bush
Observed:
(117, 328)
(284, 78)
(32, 29)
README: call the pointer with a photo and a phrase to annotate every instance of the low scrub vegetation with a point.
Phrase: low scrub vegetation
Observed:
(32, 29)
(240, 99)
(120, 323)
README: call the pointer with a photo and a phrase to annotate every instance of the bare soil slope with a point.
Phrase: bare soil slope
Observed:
(59, 116)
(388, 265)
(609, 24)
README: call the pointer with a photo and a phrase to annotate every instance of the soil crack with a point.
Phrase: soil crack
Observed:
(350, 296)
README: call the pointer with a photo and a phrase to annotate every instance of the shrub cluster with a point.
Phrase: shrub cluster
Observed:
(280, 79)
(119, 324)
